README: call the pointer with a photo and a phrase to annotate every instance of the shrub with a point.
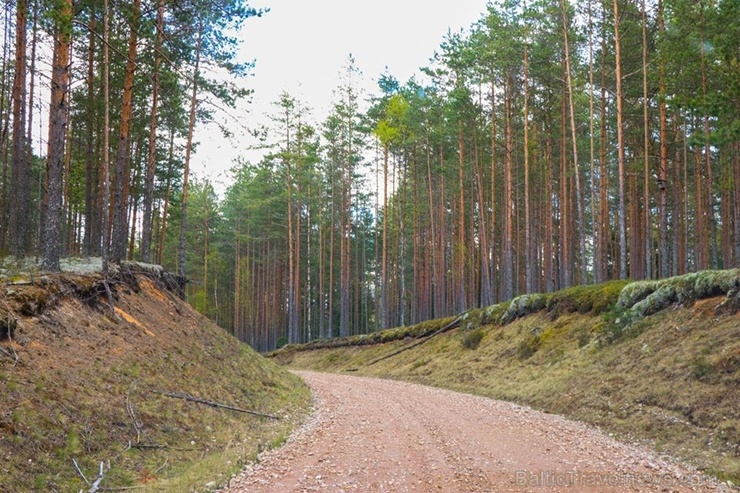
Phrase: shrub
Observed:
(472, 338)
(529, 346)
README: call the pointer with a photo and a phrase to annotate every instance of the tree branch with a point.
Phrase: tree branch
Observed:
(188, 397)
(449, 326)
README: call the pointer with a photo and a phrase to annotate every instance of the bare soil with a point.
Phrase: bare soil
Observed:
(369, 434)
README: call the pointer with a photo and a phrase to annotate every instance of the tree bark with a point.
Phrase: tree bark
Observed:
(646, 149)
(574, 142)
(146, 224)
(120, 221)
(529, 274)
(188, 152)
(663, 173)
(621, 211)
(507, 268)
(60, 77)
(20, 165)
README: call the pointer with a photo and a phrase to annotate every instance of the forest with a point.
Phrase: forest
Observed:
(550, 144)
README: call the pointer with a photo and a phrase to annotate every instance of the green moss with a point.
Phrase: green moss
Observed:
(522, 306)
(595, 299)
(494, 313)
(644, 298)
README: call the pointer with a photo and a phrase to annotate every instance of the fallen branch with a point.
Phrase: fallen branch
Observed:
(188, 397)
(455, 323)
(130, 409)
(145, 446)
(79, 471)
(98, 480)
(159, 469)
(10, 354)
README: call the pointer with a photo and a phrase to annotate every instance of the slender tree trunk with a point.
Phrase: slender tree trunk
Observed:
(486, 294)
(120, 223)
(604, 223)
(332, 224)
(646, 148)
(663, 173)
(435, 301)
(20, 166)
(188, 151)
(574, 142)
(31, 101)
(4, 148)
(598, 261)
(621, 212)
(146, 224)
(566, 249)
(461, 250)
(681, 201)
(105, 164)
(60, 77)
(90, 175)
(736, 195)
(384, 268)
(708, 233)
(507, 270)
(495, 292)
(548, 253)
(345, 240)
(528, 258)
(167, 193)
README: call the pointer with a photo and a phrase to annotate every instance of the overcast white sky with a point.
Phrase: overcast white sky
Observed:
(301, 45)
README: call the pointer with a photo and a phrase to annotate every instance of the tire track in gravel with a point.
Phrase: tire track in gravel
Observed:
(373, 435)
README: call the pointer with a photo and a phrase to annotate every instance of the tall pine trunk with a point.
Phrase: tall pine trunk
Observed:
(663, 173)
(507, 267)
(188, 151)
(21, 163)
(60, 77)
(621, 211)
(574, 142)
(646, 149)
(146, 222)
(120, 222)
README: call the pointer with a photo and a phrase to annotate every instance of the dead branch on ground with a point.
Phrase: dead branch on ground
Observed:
(455, 323)
(96, 484)
(79, 471)
(188, 397)
(130, 410)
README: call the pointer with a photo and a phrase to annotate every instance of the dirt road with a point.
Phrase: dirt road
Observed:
(370, 435)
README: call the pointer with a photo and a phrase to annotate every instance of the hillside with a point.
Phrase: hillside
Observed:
(651, 362)
(82, 385)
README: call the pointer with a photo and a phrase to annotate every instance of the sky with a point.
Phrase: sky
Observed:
(300, 46)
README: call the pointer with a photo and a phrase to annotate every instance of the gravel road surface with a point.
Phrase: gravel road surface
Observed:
(372, 435)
